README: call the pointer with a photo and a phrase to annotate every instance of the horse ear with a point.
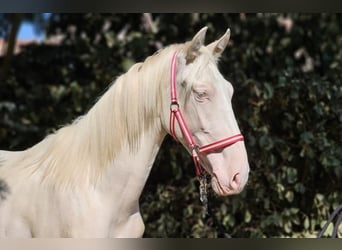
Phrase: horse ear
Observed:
(219, 45)
(195, 44)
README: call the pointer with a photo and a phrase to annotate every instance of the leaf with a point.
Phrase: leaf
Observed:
(319, 197)
(248, 216)
(300, 188)
(280, 188)
(289, 196)
(306, 223)
(224, 208)
(110, 39)
(307, 137)
(294, 210)
(288, 227)
(266, 203)
(269, 91)
(266, 142)
(281, 81)
(329, 230)
(291, 174)
(127, 63)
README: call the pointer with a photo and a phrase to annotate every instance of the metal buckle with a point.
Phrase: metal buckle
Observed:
(174, 106)
(195, 150)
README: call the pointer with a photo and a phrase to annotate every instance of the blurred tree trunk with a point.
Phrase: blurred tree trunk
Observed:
(11, 40)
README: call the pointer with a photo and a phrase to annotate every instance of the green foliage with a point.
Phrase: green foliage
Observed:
(287, 101)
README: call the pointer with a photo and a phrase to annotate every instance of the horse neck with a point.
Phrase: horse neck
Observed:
(126, 175)
(143, 126)
(130, 116)
(119, 136)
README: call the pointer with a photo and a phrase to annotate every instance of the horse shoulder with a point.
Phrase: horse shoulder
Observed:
(5, 158)
(8, 156)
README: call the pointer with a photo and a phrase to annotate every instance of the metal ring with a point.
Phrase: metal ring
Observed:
(174, 106)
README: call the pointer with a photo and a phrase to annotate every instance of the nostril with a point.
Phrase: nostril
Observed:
(235, 183)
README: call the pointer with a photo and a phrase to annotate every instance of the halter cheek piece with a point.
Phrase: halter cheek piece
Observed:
(177, 115)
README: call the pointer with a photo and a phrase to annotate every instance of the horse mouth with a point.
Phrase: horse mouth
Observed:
(217, 187)
(222, 189)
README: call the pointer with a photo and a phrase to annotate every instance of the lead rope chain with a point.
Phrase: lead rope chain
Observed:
(203, 188)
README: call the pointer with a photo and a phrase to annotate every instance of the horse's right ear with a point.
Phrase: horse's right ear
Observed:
(219, 45)
(195, 44)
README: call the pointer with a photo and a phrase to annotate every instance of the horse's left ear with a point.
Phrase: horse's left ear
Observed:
(219, 45)
(195, 45)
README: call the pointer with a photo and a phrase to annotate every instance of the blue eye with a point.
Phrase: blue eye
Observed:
(201, 95)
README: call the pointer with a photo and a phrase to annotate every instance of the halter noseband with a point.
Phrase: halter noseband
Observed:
(177, 114)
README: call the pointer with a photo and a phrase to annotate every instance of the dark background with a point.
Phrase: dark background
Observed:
(286, 71)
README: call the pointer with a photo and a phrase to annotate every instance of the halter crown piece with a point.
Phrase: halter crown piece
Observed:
(176, 114)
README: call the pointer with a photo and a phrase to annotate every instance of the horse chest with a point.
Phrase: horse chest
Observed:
(42, 212)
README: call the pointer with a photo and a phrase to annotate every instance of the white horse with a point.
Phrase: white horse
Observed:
(85, 180)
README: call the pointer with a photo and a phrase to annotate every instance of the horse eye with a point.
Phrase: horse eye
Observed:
(201, 96)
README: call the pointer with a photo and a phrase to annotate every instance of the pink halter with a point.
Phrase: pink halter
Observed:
(176, 114)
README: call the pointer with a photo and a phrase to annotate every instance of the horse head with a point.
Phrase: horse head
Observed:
(202, 116)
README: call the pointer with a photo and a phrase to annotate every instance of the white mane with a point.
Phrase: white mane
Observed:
(79, 153)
